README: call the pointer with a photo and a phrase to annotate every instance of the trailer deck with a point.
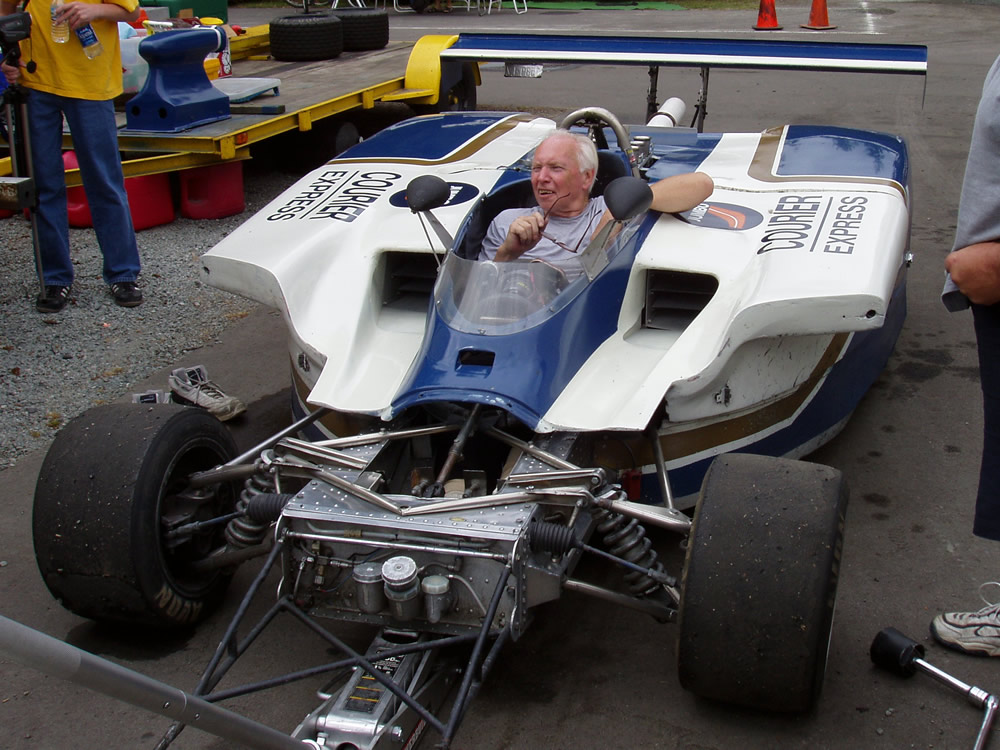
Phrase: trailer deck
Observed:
(306, 93)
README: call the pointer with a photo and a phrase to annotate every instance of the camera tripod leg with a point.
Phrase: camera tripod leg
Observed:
(19, 140)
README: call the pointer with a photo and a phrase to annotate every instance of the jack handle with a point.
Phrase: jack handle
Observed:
(903, 656)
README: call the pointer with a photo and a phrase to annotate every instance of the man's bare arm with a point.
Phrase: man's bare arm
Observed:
(679, 192)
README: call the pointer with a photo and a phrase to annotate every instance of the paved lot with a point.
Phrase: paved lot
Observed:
(588, 675)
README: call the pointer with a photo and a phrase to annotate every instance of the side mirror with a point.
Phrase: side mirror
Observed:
(627, 197)
(426, 192)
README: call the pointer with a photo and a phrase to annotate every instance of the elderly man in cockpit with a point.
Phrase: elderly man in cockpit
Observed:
(563, 170)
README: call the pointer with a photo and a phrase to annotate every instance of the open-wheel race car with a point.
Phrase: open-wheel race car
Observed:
(467, 431)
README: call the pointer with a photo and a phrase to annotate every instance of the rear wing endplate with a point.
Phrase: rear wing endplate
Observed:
(524, 54)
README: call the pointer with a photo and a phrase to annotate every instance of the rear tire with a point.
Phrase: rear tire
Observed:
(306, 36)
(110, 487)
(760, 582)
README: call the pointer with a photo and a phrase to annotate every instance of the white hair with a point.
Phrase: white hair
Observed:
(586, 151)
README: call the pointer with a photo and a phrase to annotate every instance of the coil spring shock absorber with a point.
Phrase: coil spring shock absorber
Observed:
(243, 531)
(626, 538)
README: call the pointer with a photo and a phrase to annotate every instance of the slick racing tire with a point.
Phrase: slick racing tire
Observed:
(760, 582)
(315, 35)
(364, 28)
(110, 487)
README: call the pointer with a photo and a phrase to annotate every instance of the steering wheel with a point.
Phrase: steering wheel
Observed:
(595, 119)
(528, 289)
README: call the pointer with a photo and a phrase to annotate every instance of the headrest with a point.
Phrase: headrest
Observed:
(610, 166)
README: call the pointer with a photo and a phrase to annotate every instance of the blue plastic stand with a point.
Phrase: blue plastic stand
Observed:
(177, 94)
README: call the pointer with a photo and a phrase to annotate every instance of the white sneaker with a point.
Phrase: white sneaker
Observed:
(192, 385)
(975, 633)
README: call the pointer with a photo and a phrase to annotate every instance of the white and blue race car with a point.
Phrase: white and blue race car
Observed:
(468, 430)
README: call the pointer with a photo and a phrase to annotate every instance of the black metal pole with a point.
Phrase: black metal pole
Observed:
(59, 659)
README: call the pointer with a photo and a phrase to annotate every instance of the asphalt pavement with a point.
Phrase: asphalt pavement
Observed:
(588, 675)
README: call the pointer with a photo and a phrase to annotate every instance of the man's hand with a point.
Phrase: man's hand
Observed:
(976, 271)
(78, 15)
(10, 72)
(524, 234)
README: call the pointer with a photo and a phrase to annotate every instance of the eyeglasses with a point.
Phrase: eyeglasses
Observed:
(558, 243)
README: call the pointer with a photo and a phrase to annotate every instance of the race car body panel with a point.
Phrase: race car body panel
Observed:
(803, 237)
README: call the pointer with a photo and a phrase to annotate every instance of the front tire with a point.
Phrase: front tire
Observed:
(760, 582)
(111, 486)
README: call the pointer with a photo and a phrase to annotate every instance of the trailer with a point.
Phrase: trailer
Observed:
(305, 94)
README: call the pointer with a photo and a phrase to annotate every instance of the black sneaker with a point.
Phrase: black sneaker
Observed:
(126, 294)
(53, 299)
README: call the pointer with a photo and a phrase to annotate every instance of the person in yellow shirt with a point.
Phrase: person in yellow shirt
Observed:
(66, 81)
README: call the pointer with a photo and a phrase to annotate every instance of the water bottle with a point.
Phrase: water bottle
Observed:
(60, 30)
(88, 38)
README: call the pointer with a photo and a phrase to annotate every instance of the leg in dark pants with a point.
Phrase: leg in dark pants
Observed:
(987, 521)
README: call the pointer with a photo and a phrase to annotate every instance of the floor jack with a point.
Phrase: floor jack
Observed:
(18, 191)
(903, 656)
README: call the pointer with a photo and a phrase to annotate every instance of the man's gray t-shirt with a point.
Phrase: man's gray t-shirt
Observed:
(572, 231)
(979, 207)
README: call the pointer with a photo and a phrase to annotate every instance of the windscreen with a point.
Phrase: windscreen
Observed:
(492, 298)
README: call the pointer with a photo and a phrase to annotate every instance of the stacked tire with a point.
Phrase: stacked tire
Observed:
(323, 35)
(316, 35)
(364, 28)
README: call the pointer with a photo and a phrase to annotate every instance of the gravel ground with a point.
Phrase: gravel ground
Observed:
(55, 366)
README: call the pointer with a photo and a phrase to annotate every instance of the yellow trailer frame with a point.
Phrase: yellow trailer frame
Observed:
(307, 93)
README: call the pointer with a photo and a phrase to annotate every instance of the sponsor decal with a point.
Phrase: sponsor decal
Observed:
(846, 219)
(722, 216)
(337, 195)
(815, 223)
(461, 192)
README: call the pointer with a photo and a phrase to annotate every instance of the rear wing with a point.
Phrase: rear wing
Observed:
(525, 54)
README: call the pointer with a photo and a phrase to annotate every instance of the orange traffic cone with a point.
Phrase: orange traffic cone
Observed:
(817, 17)
(767, 18)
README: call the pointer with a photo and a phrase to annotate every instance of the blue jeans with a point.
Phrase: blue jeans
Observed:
(987, 520)
(95, 139)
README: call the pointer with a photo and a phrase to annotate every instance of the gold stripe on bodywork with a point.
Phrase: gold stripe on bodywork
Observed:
(338, 423)
(465, 152)
(766, 157)
(628, 450)
(676, 445)
(682, 444)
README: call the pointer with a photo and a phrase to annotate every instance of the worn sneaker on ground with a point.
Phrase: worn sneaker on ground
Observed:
(126, 294)
(975, 633)
(192, 384)
(53, 299)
